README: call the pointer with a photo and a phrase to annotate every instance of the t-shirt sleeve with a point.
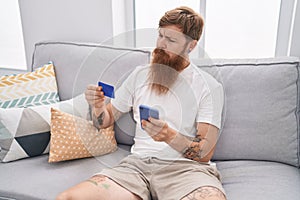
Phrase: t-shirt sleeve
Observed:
(123, 100)
(211, 106)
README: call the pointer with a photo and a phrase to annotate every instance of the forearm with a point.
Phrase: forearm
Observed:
(194, 148)
(199, 148)
(105, 117)
(103, 120)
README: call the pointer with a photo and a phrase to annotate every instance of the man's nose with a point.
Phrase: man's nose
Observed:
(161, 43)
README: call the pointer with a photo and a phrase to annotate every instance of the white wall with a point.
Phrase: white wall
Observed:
(91, 21)
(295, 42)
(123, 23)
(285, 26)
(66, 20)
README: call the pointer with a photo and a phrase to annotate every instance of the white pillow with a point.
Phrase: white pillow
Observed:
(25, 132)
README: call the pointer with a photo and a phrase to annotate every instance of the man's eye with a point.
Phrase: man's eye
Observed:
(172, 40)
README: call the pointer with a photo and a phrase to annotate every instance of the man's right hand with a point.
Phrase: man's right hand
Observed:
(95, 98)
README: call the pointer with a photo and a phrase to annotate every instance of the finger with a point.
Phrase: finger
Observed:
(151, 129)
(93, 87)
(93, 90)
(146, 126)
(156, 122)
(91, 94)
(93, 97)
(153, 120)
(95, 100)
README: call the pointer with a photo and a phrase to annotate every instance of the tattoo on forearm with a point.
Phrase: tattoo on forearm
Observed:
(100, 119)
(193, 152)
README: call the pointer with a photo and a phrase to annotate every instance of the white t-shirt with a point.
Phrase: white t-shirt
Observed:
(195, 97)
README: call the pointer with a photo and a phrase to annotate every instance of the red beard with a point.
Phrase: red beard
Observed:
(164, 70)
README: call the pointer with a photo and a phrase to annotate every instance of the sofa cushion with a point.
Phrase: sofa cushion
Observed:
(29, 89)
(74, 137)
(35, 179)
(242, 180)
(259, 180)
(261, 110)
(78, 65)
(25, 132)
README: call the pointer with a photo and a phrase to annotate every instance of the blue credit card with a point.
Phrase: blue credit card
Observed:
(107, 89)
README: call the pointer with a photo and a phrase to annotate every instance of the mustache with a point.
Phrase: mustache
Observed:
(160, 56)
(160, 52)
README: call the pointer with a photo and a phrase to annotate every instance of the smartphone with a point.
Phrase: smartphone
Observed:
(107, 89)
(146, 112)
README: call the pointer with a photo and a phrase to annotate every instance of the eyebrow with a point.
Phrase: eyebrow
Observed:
(168, 37)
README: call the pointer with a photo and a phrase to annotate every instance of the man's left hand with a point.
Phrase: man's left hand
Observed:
(159, 130)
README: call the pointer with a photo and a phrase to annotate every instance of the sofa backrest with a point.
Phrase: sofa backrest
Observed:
(79, 64)
(261, 111)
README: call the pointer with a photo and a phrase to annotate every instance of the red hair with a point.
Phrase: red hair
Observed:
(186, 19)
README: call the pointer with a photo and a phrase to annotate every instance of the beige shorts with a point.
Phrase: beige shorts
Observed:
(152, 178)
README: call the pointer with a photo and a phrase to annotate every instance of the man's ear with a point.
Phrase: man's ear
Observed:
(193, 44)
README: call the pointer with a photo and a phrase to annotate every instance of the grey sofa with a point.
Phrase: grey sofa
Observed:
(258, 152)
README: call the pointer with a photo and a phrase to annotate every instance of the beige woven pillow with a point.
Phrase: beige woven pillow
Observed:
(73, 137)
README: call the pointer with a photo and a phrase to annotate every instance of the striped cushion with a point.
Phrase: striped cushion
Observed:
(29, 89)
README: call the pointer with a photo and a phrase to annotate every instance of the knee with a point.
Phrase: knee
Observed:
(64, 196)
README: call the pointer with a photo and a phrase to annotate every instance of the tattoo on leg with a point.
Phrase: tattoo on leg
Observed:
(206, 192)
(98, 181)
(105, 186)
(91, 181)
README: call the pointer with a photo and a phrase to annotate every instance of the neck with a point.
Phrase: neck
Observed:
(186, 63)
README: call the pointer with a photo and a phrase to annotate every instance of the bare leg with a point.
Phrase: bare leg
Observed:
(97, 187)
(205, 193)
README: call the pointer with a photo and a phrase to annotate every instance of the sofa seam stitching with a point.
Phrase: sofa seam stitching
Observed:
(297, 116)
(251, 64)
(90, 45)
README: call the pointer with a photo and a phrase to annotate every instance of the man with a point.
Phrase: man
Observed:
(171, 155)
